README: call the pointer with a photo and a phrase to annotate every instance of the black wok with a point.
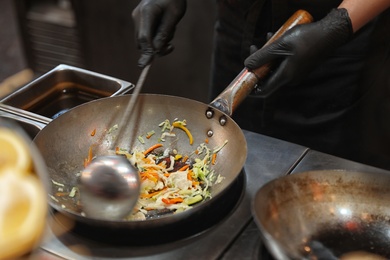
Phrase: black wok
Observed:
(325, 215)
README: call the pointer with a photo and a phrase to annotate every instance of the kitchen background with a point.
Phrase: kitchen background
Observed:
(98, 35)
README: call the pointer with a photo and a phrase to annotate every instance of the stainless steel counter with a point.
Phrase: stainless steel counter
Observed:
(249, 245)
(236, 237)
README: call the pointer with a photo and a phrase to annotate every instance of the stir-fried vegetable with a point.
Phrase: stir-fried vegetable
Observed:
(167, 127)
(171, 181)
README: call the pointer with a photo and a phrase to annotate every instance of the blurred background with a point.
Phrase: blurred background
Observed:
(98, 35)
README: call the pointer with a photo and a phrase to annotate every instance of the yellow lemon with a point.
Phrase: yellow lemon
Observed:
(14, 151)
(23, 212)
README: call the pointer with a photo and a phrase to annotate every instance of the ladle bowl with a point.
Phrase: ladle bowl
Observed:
(109, 187)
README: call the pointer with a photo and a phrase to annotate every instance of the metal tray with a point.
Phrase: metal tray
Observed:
(63, 88)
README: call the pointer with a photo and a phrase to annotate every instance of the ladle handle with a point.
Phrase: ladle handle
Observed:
(130, 106)
(246, 81)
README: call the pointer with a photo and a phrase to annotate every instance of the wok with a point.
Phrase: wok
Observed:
(65, 143)
(327, 214)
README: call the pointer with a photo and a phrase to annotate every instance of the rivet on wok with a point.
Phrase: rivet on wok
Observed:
(210, 133)
(209, 113)
(222, 120)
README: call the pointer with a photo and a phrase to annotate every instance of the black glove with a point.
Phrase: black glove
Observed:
(299, 50)
(155, 24)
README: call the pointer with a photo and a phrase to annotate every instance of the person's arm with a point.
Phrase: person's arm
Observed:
(303, 47)
(363, 11)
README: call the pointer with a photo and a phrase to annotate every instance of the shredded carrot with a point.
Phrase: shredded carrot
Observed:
(148, 176)
(151, 175)
(152, 148)
(194, 183)
(172, 201)
(150, 170)
(149, 195)
(146, 160)
(206, 140)
(189, 175)
(60, 194)
(185, 158)
(214, 158)
(90, 154)
(93, 132)
(88, 160)
(185, 167)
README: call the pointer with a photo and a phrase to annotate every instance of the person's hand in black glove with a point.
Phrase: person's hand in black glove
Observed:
(301, 48)
(155, 24)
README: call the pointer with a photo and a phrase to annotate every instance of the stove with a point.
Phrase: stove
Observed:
(183, 230)
(267, 159)
(228, 233)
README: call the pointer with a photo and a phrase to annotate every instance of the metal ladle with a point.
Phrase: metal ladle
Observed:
(110, 185)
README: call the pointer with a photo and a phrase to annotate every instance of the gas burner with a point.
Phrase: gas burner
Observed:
(182, 232)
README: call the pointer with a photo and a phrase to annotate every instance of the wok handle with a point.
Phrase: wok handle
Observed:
(246, 81)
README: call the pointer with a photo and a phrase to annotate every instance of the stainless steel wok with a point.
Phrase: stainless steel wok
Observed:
(327, 214)
(65, 142)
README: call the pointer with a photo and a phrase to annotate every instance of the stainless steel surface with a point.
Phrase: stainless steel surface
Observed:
(315, 160)
(31, 124)
(109, 187)
(267, 159)
(21, 115)
(63, 88)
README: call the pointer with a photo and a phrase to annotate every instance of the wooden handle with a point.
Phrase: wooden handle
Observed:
(246, 81)
(299, 17)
